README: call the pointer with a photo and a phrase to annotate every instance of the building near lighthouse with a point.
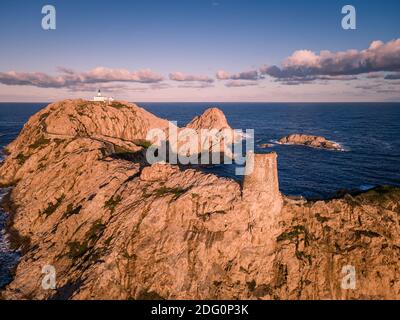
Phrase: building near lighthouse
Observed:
(100, 98)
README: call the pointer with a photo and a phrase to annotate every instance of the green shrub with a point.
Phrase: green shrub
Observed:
(118, 105)
(177, 192)
(71, 210)
(290, 235)
(112, 203)
(21, 158)
(52, 207)
(121, 150)
(77, 249)
(142, 143)
(42, 141)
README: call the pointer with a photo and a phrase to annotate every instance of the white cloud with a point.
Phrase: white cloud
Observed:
(240, 83)
(71, 79)
(246, 75)
(305, 65)
(179, 76)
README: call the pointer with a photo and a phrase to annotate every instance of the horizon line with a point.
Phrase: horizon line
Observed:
(211, 102)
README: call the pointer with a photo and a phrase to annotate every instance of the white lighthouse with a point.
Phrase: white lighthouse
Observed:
(101, 98)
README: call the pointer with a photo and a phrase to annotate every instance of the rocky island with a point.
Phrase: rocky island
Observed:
(84, 200)
(310, 141)
(265, 145)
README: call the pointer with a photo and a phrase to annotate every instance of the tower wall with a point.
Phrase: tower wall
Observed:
(261, 179)
(263, 202)
(262, 199)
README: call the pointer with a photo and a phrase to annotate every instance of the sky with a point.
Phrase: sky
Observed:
(200, 50)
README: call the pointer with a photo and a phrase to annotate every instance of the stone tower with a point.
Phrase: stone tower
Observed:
(261, 195)
(261, 178)
(262, 202)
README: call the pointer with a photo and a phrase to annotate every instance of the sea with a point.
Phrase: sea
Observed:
(368, 132)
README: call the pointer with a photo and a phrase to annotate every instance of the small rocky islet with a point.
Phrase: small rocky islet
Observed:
(84, 200)
(310, 141)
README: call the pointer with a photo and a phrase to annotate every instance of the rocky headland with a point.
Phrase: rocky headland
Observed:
(310, 141)
(84, 200)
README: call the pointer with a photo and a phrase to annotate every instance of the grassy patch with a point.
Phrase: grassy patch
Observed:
(52, 207)
(58, 141)
(251, 285)
(177, 192)
(321, 219)
(95, 231)
(294, 237)
(71, 210)
(42, 141)
(149, 295)
(21, 158)
(382, 195)
(78, 249)
(367, 233)
(112, 203)
(44, 116)
(41, 166)
(142, 143)
(108, 241)
(118, 105)
(385, 190)
(290, 235)
(121, 150)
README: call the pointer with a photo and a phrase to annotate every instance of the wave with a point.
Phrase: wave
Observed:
(8, 257)
(366, 187)
(343, 147)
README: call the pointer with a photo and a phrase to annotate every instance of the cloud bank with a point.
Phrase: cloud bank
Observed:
(196, 86)
(240, 83)
(305, 65)
(393, 76)
(179, 76)
(246, 75)
(379, 62)
(75, 80)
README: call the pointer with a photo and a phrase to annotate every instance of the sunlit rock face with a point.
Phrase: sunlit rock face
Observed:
(85, 201)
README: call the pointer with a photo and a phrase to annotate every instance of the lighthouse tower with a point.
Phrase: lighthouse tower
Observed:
(99, 97)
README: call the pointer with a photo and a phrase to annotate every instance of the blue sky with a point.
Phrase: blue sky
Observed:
(196, 37)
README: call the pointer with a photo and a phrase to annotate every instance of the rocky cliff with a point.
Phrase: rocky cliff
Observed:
(85, 201)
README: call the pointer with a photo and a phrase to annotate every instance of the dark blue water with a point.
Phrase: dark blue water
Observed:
(12, 118)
